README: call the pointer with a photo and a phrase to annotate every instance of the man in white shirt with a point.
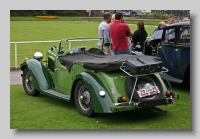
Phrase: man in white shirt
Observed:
(103, 32)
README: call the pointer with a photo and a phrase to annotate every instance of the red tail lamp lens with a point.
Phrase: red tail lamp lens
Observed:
(168, 93)
(124, 99)
(121, 99)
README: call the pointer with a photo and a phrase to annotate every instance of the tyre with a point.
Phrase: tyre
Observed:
(83, 99)
(186, 81)
(27, 83)
(141, 82)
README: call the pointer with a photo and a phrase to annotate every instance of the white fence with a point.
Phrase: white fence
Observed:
(67, 40)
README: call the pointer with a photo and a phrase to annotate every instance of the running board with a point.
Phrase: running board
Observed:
(56, 94)
(170, 78)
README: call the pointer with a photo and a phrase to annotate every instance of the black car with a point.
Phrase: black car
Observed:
(172, 45)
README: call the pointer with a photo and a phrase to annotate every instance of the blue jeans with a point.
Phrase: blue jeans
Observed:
(122, 52)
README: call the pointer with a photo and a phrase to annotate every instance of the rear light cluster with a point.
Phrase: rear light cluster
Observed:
(121, 99)
(169, 93)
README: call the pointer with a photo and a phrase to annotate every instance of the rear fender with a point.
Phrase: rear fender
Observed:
(40, 76)
(161, 81)
(100, 104)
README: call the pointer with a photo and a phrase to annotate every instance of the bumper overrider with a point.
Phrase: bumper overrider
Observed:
(124, 106)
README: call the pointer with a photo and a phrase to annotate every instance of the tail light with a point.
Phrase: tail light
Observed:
(169, 93)
(124, 99)
(121, 99)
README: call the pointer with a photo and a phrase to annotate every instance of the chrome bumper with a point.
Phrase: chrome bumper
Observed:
(144, 104)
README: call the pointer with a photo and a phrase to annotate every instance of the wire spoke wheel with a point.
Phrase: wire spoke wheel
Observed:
(83, 99)
(28, 83)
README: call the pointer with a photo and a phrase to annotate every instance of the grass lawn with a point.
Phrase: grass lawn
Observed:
(51, 30)
(43, 112)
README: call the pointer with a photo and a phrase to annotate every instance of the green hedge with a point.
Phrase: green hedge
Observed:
(156, 15)
(25, 12)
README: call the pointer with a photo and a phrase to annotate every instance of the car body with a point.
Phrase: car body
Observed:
(126, 13)
(136, 12)
(97, 83)
(173, 49)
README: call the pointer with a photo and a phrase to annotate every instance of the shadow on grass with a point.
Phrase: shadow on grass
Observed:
(133, 116)
(57, 102)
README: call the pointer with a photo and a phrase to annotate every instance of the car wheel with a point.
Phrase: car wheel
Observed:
(141, 82)
(27, 83)
(186, 81)
(83, 99)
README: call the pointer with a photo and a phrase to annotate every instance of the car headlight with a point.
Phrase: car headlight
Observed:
(38, 56)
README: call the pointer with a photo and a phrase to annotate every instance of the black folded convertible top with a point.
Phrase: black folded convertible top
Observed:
(95, 61)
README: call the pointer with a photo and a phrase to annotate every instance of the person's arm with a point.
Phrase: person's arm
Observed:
(128, 31)
(129, 34)
(106, 34)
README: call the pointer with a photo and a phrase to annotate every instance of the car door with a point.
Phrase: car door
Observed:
(167, 51)
(62, 76)
(183, 50)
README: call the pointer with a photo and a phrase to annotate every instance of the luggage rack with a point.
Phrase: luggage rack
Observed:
(123, 68)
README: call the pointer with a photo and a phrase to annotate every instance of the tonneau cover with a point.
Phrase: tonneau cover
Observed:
(95, 61)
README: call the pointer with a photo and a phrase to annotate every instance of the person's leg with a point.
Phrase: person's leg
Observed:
(107, 50)
(126, 52)
(112, 53)
(115, 52)
(130, 47)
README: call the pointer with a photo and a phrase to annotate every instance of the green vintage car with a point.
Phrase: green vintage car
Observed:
(97, 83)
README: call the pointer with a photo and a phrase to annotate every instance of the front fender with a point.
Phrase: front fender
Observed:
(39, 74)
(100, 104)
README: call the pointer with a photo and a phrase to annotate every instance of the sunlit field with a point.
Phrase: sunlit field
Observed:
(52, 30)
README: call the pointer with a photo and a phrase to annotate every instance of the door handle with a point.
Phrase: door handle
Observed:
(176, 50)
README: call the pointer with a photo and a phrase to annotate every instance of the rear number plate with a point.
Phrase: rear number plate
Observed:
(148, 91)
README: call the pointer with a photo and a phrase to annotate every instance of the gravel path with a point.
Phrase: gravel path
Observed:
(15, 77)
